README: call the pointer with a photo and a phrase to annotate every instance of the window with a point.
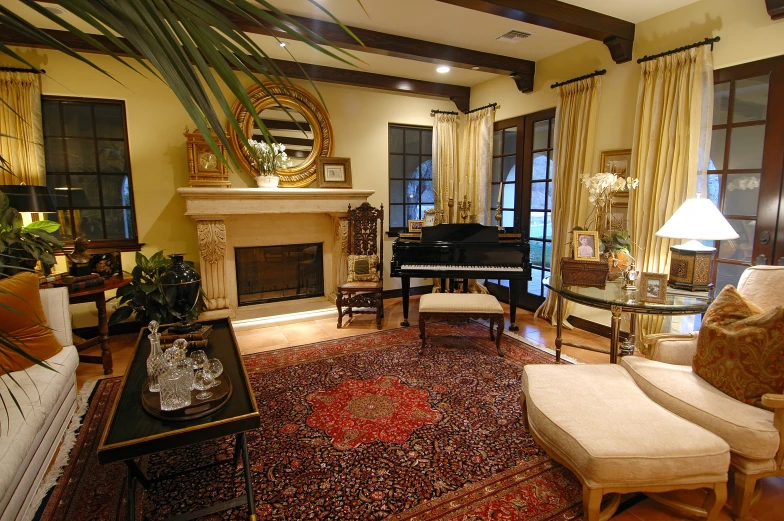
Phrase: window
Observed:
(87, 169)
(410, 174)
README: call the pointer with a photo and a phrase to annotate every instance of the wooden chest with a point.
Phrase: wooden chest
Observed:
(584, 273)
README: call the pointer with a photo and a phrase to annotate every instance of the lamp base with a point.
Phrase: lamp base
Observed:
(690, 266)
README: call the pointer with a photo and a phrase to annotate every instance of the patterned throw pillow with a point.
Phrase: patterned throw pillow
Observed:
(362, 268)
(740, 348)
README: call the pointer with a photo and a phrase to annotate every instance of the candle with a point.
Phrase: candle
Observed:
(500, 194)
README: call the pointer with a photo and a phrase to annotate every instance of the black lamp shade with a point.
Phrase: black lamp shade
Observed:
(28, 198)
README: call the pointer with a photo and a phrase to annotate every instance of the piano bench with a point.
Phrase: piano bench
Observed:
(450, 306)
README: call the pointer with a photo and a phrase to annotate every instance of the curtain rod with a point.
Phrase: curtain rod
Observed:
(434, 112)
(706, 41)
(17, 69)
(489, 105)
(578, 78)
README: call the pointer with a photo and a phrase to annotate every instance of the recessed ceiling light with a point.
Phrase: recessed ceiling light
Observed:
(475, 68)
(443, 69)
(282, 44)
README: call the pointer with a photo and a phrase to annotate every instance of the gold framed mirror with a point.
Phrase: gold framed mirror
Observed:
(295, 119)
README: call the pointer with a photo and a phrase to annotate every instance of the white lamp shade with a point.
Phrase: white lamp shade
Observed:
(698, 219)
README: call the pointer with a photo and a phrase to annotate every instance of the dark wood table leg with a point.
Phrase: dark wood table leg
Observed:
(406, 282)
(513, 296)
(131, 492)
(248, 477)
(558, 327)
(103, 332)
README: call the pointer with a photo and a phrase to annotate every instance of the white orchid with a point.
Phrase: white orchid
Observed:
(603, 186)
(269, 158)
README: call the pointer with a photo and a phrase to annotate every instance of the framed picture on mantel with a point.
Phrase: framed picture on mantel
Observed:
(334, 172)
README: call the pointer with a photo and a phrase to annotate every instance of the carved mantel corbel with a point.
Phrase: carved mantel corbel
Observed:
(212, 254)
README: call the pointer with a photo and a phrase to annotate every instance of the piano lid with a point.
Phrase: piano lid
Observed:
(465, 232)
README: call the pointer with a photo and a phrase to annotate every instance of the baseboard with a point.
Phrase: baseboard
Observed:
(593, 327)
(398, 293)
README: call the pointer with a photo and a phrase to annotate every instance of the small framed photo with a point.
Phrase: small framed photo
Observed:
(415, 225)
(653, 287)
(432, 217)
(334, 172)
(586, 245)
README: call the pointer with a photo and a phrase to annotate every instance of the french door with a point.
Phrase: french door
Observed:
(522, 175)
(747, 165)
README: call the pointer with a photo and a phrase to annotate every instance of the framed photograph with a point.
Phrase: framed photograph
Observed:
(586, 245)
(653, 287)
(334, 172)
(432, 217)
(618, 162)
(415, 225)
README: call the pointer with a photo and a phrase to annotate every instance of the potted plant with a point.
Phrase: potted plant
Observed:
(22, 246)
(616, 244)
(267, 159)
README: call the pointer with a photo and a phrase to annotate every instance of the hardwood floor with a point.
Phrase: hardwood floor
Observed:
(534, 331)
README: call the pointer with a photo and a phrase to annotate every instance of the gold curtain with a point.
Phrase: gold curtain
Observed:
(575, 127)
(22, 142)
(670, 151)
(475, 176)
(444, 161)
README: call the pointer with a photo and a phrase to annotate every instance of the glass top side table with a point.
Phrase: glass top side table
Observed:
(618, 300)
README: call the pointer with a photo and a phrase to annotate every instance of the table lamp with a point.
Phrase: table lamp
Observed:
(696, 220)
(29, 199)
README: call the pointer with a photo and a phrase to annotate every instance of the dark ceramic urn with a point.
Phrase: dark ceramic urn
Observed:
(181, 285)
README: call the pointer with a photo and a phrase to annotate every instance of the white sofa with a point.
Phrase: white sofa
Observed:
(47, 399)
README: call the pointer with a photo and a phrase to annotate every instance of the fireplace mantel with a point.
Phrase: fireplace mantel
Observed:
(255, 201)
(227, 218)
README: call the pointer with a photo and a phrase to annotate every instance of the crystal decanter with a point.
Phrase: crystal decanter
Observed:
(156, 363)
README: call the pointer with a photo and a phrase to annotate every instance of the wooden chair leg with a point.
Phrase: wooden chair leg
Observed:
(498, 335)
(379, 309)
(743, 493)
(422, 334)
(592, 503)
(492, 321)
(717, 496)
(339, 302)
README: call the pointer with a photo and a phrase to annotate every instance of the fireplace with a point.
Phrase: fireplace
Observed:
(281, 272)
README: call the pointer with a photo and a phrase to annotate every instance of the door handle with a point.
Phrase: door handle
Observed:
(762, 260)
(764, 238)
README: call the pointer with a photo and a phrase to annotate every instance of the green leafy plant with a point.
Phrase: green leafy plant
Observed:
(144, 296)
(616, 241)
(21, 247)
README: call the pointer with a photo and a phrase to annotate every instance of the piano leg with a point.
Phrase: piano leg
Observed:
(513, 290)
(406, 290)
(465, 285)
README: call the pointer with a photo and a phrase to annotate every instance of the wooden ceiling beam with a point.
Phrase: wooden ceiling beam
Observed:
(775, 9)
(458, 94)
(522, 71)
(616, 34)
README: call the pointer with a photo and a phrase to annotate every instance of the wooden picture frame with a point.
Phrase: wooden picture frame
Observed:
(415, 225)
(618, 162)
(586, 245)
(653, 288)
(431, 218)
(334, 172)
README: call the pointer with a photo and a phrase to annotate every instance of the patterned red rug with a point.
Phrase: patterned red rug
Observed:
(360, 428)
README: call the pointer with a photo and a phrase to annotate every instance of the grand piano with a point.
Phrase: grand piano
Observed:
(461, 252)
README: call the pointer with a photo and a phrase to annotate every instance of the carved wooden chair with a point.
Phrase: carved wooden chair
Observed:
(362, 293)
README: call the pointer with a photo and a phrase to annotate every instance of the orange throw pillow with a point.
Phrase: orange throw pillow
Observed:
(27, 326)
(740, 349)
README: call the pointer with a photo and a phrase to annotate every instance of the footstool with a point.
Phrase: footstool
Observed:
(595, 421)
(449, 306)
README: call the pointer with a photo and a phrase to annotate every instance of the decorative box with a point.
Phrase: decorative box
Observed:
(584, 273)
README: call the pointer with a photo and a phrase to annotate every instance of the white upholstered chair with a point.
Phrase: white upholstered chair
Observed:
(755, 435)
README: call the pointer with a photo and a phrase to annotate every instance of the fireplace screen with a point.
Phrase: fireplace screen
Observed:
(275, 273)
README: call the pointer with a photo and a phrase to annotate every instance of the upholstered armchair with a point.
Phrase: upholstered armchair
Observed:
(755, 435)
(363, 290)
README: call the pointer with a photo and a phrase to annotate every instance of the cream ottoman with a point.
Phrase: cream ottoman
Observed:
(449, 306)
(595, 421)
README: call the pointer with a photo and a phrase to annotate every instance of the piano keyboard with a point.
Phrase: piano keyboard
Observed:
(451, 267)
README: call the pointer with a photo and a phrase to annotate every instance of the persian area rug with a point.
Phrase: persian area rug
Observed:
(355, 429)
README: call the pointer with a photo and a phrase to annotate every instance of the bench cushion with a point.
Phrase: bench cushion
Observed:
(459, 303)
(749, 430)
(596, 420)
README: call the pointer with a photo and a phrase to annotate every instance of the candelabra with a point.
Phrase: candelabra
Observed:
(451, 205)
(465, 207)
(498, 216)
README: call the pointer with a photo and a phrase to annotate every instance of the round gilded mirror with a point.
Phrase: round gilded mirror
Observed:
(295, 119)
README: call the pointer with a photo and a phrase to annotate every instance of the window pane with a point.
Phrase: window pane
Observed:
(58, 188)
(510, 141)
(412, 212)
(78, 119)
(427, 193)
(109, 121)
(497, 142)
(509, 196)
(740, 248)
(548, 229)
(507, 221)
(509, 169)
(396, 192)
(727, 274)
(714, 188)
(552, 141)
(721, 103)
(494, 195)
(536, 230)
(412, 141)
(396, 166)
(81, 155)
(718, 139)
(115, 190)
(746, 147)
(51, 117)
(541, 132)
(548, 253)
(396, 216)
(66, 225)
(535, 284)
(84, 191)
(88, 223)
(538, 195)
(111, 156)
(742, 194)
(751, 99)
(427, 142)
(496, 169)
(55, 155)
(426, 169)
(537, 253)
(119, 224)
(396, 140)
(412, 193)
(549, 196)
(540, 166)
(412, 167)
